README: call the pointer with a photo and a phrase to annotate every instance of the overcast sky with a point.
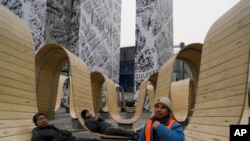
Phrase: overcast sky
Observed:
(192, 19)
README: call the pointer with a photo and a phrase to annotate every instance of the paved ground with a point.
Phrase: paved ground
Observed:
(63, 120)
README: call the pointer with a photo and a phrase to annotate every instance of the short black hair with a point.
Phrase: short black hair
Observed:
(36, 116)
(83, 113)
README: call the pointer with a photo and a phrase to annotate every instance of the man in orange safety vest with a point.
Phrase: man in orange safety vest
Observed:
(162, 127)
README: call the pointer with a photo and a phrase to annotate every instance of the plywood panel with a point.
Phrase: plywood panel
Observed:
(17, 78)
(196, 135)
(180, 92)
(243, 59)
(224, 84)
(219, 121)
(62, 80)
(16, 137)
(225, 111)
(13, 123)
(225, 102)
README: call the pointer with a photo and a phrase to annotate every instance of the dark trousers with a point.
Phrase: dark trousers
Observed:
(119, 131)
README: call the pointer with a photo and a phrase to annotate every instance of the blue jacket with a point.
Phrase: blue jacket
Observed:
(176, 133)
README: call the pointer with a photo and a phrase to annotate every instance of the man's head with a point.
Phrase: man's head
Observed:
(40, 120)
(85, 114)
(163, 108)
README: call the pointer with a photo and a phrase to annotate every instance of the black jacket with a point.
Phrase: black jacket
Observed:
(51, 133)
(96, 125)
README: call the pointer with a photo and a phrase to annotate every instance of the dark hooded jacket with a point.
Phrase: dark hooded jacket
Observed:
(51, 133)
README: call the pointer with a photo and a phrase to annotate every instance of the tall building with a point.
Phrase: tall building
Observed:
(154, 37)
(88, 28)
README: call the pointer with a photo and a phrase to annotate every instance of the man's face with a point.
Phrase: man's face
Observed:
(42, 121)
(87, 114)
(161, 111)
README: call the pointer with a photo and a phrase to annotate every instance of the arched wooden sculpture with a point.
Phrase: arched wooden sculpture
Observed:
(219, 68)
(17, 76)
(62, 80)
(49, 61)
(223, 77)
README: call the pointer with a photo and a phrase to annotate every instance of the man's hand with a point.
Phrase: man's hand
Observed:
(156, 124)
(98, 116)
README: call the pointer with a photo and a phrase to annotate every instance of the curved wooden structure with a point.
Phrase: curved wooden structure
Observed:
(17, 76)
(82, 96)
(191, 55)
(120, 96)
(97, 82)
(220, 74)
(62, 80)
(181, 92)
(49, 62)
(223, 77)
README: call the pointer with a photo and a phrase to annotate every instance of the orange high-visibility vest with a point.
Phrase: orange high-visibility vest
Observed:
(149, 125)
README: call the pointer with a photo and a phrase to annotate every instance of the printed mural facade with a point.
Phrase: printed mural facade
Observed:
(89, 29)
(99, 37)
(33, 13)
(154, 38)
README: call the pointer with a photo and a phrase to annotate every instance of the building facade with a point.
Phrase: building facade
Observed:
(88, 28)
(154, 37)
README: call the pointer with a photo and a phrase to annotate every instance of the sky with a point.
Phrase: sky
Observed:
(191, 19)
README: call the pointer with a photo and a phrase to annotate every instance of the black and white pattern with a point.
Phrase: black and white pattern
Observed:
(33, 13)
(99, 35)
(154, 37)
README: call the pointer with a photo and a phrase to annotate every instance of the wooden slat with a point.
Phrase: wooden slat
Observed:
(200, 136)
(15, 131)
(13, 123)
(236, 71)
(16, 36)
(227, 56)
(226, 20)
(219, 121)
(222, 93)
(12, 115)
(225, 66)
(225, 111)
(225, 102)
(210, 129)
(17, 137)
(223, 84)
(17, 107)
(11, 91)
(236, 24)
(165, 79)
(180, 92)
(62, 80)
(17, 78)
(21, 46)
(230, 46)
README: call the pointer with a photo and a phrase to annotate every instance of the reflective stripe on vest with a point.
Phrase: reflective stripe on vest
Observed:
(149, 125)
